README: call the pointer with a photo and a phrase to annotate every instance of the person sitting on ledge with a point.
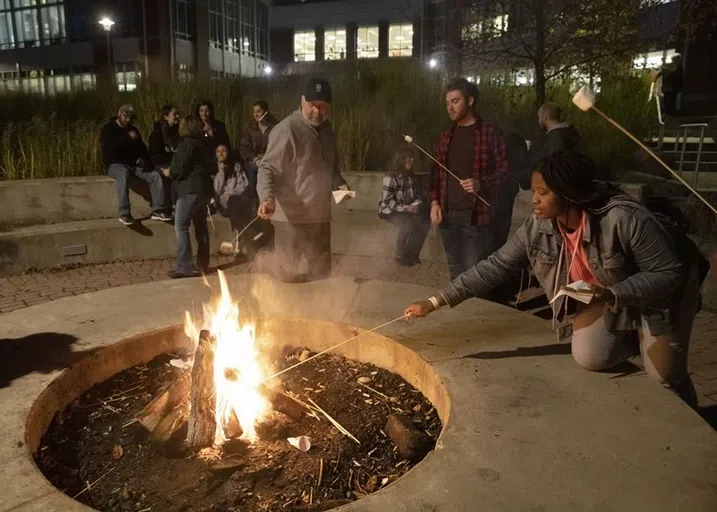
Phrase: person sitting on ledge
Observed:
(644, 271)
(401, 204)
(231, 194)
(255, 140)
(163, 142)
(125, 158)
(191, 170)
(213, 131)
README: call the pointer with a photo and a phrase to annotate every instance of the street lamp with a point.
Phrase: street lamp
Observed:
(268, 70)
(107, 25)
(432, 63)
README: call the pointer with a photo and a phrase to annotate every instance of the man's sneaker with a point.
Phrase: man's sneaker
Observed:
(161, 216)
(127, 220)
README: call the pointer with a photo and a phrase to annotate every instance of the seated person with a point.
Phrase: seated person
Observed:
(163, 142)
(164, 139)
(214, 131)
(255, 140)
(231, 189)
(125, 158)
(401, 205)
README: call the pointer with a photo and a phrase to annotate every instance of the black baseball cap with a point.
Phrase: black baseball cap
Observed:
(317, 89)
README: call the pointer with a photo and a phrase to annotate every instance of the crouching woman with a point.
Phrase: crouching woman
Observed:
(645, 272)
(191, 171)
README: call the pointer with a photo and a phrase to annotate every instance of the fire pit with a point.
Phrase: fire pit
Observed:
(522, 415)
(196, 418)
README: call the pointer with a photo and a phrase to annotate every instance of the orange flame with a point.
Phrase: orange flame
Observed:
(237, 373)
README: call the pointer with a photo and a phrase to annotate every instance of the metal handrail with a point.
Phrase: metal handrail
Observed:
(684, 128)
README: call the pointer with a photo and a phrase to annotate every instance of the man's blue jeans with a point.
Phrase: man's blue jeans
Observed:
(124, 174)
(465, 245)
(191, 208)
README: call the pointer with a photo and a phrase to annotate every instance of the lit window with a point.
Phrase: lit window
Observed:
(53, 24)
(232, 26)
(185, 19)
(7, 38)
(653, 60)
(367, 42)
(304, 46)
(216, 22)
(335, 44)
(400, 40)
(500, 24)
(27, 28)
(127, 76)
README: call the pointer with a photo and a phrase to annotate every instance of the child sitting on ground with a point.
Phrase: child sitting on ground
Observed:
(401, 205)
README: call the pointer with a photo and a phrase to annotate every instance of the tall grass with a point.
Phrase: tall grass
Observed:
(375, 103)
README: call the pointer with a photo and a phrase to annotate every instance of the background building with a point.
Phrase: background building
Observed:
(49, 46)
(303, 33)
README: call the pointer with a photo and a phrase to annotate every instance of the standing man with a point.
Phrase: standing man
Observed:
(296, 177)
(559, 136)
(474, 150)
(125, 158)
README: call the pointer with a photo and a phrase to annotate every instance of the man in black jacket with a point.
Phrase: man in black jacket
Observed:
(124, 156)
(559, 137)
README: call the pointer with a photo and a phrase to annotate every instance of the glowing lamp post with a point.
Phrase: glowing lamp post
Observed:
(107, 25)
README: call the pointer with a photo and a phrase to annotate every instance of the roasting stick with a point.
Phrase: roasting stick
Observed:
(332, 348)
(584, 99)
(409, 139)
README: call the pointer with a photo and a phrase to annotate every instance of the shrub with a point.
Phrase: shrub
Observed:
(375, 103)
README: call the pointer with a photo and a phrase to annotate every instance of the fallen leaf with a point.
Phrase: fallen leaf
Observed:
(364, 380)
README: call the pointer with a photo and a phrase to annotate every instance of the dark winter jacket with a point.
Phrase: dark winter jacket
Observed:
(191, 168)
(163, 142)
(219, 129)
(254, 142)
(118, 147)
(564, 137)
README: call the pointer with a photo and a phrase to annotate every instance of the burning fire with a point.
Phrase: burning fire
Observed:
(237, 373)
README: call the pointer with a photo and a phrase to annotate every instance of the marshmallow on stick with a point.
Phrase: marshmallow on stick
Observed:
(409, 139)
(584, 99)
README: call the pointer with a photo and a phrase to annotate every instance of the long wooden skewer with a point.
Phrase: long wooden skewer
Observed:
(332, 348)
(236, 239)
(409, 139)
(653, 155)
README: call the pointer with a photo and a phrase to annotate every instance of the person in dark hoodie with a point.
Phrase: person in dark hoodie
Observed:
(164, 138)
(559, 136)
(163, 142)
(213, 131)
(124, 156)
(191, 172)
(255, 140)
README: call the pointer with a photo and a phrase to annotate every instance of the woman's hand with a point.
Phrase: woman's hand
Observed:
(419, 309)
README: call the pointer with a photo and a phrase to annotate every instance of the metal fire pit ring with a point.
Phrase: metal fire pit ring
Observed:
(524, 429)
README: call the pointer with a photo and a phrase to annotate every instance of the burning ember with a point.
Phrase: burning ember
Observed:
(237, 373)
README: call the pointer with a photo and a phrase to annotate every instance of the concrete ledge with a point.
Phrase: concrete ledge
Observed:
(92, 241)
(528, 428)
(59, 200)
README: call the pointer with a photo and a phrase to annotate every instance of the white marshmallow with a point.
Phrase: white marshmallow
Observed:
(584, 99)
(408, 138)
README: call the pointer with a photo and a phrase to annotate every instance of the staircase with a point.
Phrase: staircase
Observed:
(689, 146)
